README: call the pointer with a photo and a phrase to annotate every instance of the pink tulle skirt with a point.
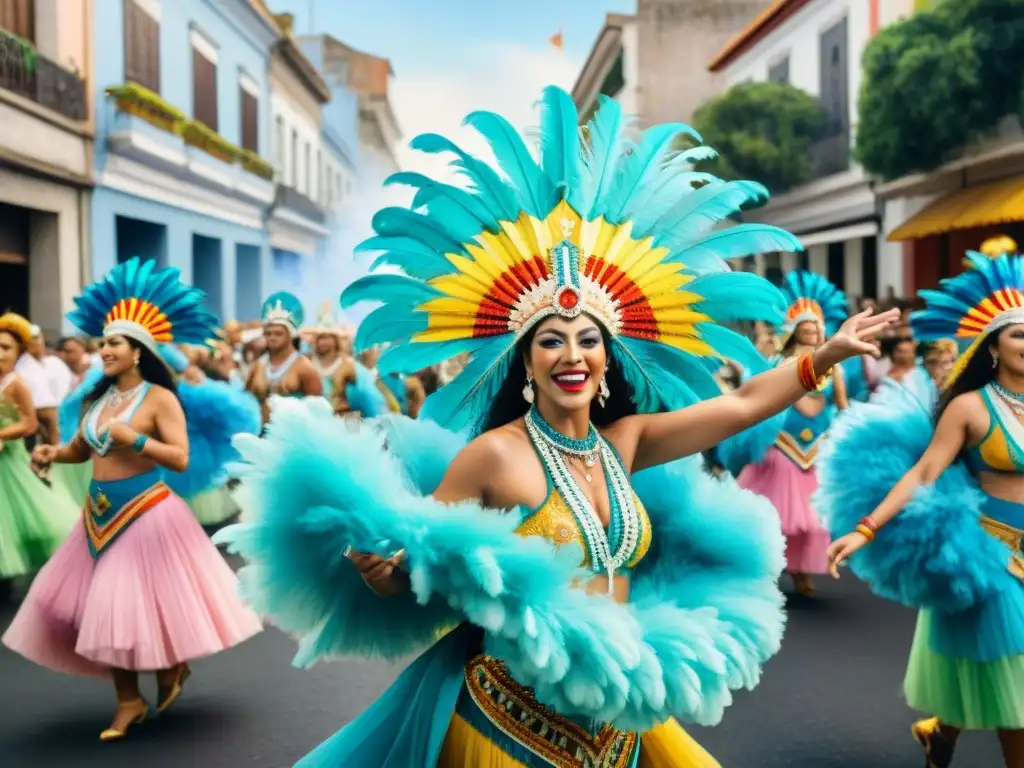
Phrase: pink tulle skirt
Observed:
(789, 489)
(159, 595)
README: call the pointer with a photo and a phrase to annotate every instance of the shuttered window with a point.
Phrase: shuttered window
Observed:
(19, 18)
(250, 121)
(204, 89)
(141, 47)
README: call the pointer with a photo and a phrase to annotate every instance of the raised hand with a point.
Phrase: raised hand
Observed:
(855, 335)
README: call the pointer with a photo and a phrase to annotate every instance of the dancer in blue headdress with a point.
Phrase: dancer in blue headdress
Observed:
(137, 586)
(283, 370)
(781, 452)
(599, 586)
(945, 498)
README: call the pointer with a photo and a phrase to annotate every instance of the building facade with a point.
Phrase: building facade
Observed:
(369, 77)
(655, 62)
(298, 220)
(46, 138)
(182, 91)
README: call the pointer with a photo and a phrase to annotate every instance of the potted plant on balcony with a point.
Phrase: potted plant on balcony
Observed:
(135, 99)
(256, 165)
(202, 137)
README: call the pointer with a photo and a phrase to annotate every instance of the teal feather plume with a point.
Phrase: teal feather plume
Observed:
(538, 193)
(465, 407)
(799, 284)
(731, 296)
(699, 212)
(560, 142)
(393, 289)
(497, 194)
(414, 258)
(415, 356)
(401, 222)
(660, 377)
(601, 156)
(709, 253)
(642, 168)
(731, 345)
(384, 325)
(446, 201)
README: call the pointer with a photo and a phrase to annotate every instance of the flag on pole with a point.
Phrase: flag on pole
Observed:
(556, 40)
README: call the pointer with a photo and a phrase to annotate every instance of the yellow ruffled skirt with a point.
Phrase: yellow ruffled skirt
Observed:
(667, 746)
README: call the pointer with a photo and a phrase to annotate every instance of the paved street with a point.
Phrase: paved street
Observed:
(829, 700)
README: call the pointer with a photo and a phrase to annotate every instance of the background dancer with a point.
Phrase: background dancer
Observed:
(942, 546)
(785, 474)
(283, 370)
(34, 518)
(138, 587)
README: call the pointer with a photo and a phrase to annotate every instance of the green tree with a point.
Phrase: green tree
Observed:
(763, 132)
(934, 81)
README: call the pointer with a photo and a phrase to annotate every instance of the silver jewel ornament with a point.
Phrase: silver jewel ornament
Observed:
(528, 395)
(603, 392)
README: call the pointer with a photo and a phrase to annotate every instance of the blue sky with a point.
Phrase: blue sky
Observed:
(451, 57)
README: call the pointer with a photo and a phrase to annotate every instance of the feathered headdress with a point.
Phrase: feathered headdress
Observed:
(17, 325)
(150, 305)
(810, 297)
(980, 300)
(282, 308)
(623, 231)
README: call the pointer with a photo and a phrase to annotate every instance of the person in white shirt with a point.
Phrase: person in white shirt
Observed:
(58, 374)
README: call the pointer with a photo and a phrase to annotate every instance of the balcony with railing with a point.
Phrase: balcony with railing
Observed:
(26, 72)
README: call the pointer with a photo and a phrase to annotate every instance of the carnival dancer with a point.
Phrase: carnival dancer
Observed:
(283, 370)
(34, 518)
(939, 357)
(785, 474)
(945, 499)
(138, 586)
(402, 393)
(590, 605)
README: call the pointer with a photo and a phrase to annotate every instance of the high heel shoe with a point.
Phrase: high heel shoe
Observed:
(181, 675)
(938, 752)
(141, 709)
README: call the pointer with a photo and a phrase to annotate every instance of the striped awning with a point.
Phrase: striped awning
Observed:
(998, 202)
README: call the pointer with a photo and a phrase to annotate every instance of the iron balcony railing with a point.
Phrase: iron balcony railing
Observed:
(26, 72)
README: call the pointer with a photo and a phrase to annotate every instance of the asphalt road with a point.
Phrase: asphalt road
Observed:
(830, 699)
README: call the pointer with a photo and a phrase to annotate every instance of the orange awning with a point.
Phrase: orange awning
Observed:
(998, 202)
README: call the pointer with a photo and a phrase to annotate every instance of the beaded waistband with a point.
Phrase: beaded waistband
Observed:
(562, 742)
(105, 519)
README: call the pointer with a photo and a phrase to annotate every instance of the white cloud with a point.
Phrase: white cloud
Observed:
(504, 78)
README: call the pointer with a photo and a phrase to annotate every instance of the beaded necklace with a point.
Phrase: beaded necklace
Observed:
(276, 372)
(101, 442)
(1013, 400)
(608, 551)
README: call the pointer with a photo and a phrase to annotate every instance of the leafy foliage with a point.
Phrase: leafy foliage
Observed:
(934, 81)
(762, 131)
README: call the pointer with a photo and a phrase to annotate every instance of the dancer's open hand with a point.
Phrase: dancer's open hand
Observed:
(854, 336)
(842, 548)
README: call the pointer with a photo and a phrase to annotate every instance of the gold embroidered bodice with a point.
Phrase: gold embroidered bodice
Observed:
(554, 521)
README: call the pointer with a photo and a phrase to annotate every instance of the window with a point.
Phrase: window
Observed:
(204, 81)
(19, 17)
(141, 44)
(248, 93)
(279, 146)
(779, 71)
(293, 168)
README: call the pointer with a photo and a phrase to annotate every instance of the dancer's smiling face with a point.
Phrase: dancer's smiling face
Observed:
(10, 351)
(1010, 348)
(117, 355)
(808, 334)
(567, 359)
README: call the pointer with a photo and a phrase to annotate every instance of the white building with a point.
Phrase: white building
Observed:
(297, 223)
(816, 45)
(46, 144)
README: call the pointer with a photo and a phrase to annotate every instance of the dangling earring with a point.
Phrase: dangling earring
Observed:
(603, 392)
(528, 390)
(995, 361)
(136, 362)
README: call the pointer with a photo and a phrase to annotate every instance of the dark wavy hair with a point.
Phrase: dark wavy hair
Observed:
(509, 404)
(978, 372)
(151, 368)
(22, 349)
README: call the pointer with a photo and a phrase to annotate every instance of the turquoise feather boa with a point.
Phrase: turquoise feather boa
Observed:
(934, 554)
(706, 611)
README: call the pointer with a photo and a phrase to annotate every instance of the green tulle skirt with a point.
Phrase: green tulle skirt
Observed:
(978, 696)
(72, 479)
(213, 507)
(34, 518)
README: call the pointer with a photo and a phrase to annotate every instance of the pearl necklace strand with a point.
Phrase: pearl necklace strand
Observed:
(1014, 400)
(552, 447)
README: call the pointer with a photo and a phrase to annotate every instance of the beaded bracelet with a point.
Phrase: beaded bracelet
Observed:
(866, 532)
(808, 378)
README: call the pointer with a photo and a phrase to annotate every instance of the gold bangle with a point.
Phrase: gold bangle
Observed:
(866, 532)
